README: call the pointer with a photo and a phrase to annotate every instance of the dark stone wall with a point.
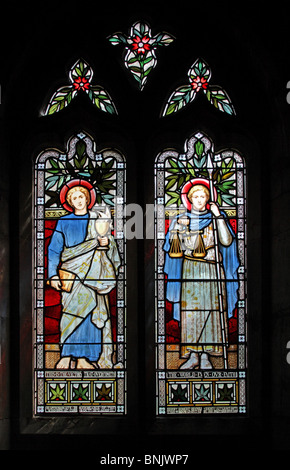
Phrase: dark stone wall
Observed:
(5, 276)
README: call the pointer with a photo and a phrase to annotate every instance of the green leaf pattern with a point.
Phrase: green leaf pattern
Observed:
(199, 69)
(140, 46)
(178, 172)
(100, 173)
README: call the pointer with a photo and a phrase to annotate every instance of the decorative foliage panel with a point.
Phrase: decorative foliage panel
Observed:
(80, 77)
(201, 269)
(79, 281)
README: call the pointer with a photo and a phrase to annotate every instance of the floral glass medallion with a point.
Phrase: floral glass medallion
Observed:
(200, 280)
(80, 76)
(199, 76)
(140, 45)
(79, 283)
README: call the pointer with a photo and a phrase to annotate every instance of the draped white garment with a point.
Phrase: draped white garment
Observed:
(96, 272)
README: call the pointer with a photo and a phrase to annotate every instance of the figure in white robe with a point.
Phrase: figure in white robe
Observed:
(85, 275)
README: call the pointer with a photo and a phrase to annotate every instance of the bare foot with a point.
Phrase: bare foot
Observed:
(63, 363)
(83, 363)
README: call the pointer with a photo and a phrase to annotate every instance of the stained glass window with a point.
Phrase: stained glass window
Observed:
(79, 281)
(201, 299)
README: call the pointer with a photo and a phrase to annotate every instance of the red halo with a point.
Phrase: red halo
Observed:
(188, 186)
(72, 184)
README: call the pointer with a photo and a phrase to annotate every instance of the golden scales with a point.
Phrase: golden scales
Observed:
(198, 250)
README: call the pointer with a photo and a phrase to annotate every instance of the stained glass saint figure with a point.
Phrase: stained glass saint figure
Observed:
(83, 262)
(201, 275)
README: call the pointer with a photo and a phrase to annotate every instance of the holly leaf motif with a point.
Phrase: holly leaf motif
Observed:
(162, 39)
(81, 393)
(104, 393)
(81, 69)
(175, 198)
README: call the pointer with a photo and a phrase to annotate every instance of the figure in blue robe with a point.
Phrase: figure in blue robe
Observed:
(192, 284)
